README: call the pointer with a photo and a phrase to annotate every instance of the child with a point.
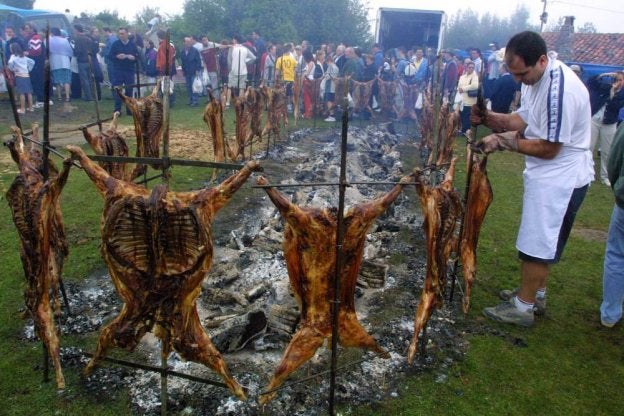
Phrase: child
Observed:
(20, 65)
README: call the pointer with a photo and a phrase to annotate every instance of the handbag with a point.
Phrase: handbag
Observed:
(473, 93)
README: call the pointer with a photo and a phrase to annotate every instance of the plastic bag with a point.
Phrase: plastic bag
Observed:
(419, 102)
(162, 85)
(3, 84)
(198, 87)
(205, 79)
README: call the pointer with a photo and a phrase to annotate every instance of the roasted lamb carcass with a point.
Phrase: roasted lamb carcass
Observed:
(277, 113)
(213, 117)
(479, 199)
(147, 114)
(426, 122)
(111, 143)
(442, 208)
(310, 251)
(242, 126)
(387, 92)
(449, 126)
(362, 92)
(256, 101)
(158, 248)
(410, 95)
(36, 212)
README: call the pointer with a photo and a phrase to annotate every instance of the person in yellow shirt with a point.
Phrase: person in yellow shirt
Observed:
(285, 71)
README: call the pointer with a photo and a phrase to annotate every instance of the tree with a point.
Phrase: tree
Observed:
(588, 27)
(20, 4)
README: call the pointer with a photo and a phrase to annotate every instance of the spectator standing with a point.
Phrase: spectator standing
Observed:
(469, 81)
(124, 54)
(36, 52)
(110, 38)
(166, 54)
(60, 62)
(224, 71)
(422, 66)
(475, 56)
(328, 87)
(504, 92)
(95, 62)
(21, 65)
(610, 89)
(493, 64)
(238, 58)
(552, 129)
(613, 274)
(11, 38)
(268, 65)
(191, 68)
(308, 78)
(340, 59)
(152, 29)
(449, 75)
(151, 56)
(285, 71)
(83, 49)
(210, 55)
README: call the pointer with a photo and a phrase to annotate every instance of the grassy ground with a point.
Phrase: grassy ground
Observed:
(566, 364)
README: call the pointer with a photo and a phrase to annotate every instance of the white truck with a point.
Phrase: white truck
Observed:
(410, 27)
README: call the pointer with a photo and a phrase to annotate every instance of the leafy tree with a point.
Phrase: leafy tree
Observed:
(588, 27)
(21, 4)
(110, 19)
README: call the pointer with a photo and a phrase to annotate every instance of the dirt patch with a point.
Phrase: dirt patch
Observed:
(590, 234)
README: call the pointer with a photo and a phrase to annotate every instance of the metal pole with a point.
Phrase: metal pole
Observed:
(338, 267)
(164, 397)
(95, 96)
(138, 76)
(167, 86)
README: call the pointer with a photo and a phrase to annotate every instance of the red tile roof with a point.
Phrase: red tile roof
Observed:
(594, 48)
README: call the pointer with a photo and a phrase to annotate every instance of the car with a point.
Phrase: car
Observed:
(41, 19)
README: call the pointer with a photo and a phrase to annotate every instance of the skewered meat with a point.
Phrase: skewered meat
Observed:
(111, 143)
(442, 208)
(387, 91)
(242, 126)
(158, 249)
(342, 87)
(213, 117)
(410, 95)
(36, 211)
(277, 113)
(449, 125)
(312, 88)
(147, 113)
(256, 101)
(362, 92)
(479, 199)
(309, 248)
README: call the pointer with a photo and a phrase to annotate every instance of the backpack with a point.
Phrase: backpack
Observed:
(318, 71)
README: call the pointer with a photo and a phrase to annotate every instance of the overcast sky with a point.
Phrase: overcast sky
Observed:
(606, 15)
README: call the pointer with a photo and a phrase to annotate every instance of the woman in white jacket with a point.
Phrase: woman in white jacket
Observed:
(469, 81)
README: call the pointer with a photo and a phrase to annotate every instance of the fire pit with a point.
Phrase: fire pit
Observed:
(248, 308)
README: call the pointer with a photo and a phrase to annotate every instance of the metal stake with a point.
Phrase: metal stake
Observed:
(338, 268)
(164, 397)
(95, 94)
(166, 84)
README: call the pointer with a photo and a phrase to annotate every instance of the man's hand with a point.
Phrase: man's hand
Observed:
(497, 142)
(478, 115)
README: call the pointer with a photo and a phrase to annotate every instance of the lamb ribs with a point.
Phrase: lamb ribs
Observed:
(158, 248)
(35, 207)
(309, 249)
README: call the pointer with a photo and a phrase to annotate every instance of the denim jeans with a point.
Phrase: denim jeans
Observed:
(123, 78)
(192, 96)
(613, 276)
(86, 82)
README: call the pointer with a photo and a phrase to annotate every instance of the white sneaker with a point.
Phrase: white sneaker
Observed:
(51, 102)
(330, 119)
(38, 104)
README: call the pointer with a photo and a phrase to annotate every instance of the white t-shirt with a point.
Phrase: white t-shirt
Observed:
(556, 109)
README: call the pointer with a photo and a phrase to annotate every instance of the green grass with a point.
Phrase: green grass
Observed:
(567, 364)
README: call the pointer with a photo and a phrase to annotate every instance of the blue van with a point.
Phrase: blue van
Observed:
(41, 19)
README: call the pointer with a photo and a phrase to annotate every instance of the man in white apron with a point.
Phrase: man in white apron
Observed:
(552, 128)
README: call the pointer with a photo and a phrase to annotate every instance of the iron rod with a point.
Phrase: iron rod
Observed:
(46, 109)
(313, 376)
(339, 255)
(154, 369)
(165, 136)
(164, 397)
(165, 161)
(46, 363)
(95, 123)
(287, 185)
(93, 85)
